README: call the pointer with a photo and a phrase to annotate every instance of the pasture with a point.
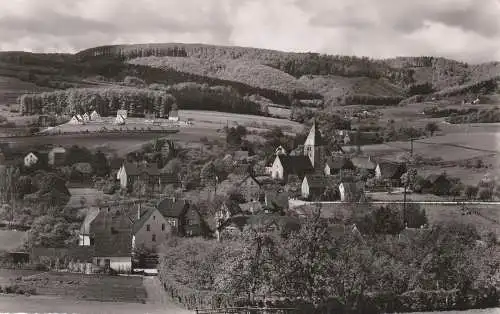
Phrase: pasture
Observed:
(8, 275)
(102, 288)
(11, 240)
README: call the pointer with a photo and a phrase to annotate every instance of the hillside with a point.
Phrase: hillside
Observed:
(281, 77)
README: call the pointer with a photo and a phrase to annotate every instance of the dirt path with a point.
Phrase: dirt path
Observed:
(157, 296)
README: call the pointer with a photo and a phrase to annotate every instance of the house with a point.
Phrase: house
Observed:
(173, 115)
(390, 172)
(75, 120)
(337, 165)
(349, 192)
(283, 166)
(228, 209)
(185, 218)
(85, 237)
(130, 173)
(150, 230)
(119, 120)
(57, 156)
(86, 117)
(30, 160)
(122, 113)
(276, 201)
(95, 116)
(250, 188)
(364, 163)
(111, 230)
(438, 184)
(313, 186)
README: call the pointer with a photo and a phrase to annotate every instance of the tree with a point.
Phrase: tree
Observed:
(471, 192)
(208, 174)
(432, 127)
(100, 164)
(49, 231)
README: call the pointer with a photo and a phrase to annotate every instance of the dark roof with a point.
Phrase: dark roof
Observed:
(239, 222)
(137, 169)
(298, 165)
(144, 217)
(433, 178)
(363, 163)
(277, 200)
(172, 207)
(251, 177)
(116, 163)
(316, 181)
(112, 234)
(391, 170)
(351, 191)
(232, 206)
(339, 162)
(268, 220)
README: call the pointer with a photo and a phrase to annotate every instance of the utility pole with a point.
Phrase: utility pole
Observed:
(411, 149)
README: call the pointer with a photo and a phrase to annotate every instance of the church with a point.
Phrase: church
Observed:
(311, 161)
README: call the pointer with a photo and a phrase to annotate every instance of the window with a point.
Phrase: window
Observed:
(162, 227)
(154, 217)
(98, 262)
(153, 238)
(148, 228)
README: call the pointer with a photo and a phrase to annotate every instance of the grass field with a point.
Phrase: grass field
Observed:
(11, 240)
(7, 275)
(87, 287)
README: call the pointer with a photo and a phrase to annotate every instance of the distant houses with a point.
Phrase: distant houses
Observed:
(173, 115)
(57, 156)
(30, 159)
(76, 120)
(95, 116)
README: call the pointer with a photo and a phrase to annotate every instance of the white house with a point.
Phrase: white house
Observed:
(349, 192)
(95, 116)
(30, 160)
(86, 117)
(280, 150)
(173, 115)
(119, 120)
(57, 156)
(76, 120)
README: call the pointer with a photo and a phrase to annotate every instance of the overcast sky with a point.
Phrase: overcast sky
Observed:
(462, 29)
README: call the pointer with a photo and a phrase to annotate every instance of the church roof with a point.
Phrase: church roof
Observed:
(315, 138)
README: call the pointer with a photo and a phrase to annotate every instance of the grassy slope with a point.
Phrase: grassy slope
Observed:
(11, 88)
(11, 239)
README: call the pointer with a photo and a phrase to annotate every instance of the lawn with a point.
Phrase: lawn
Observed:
(7, 275)
(11, 240)
(87, 287)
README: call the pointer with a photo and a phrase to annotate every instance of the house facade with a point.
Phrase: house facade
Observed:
(30, 160)
(250, 189)
(173, 116)
(150, 231)
(130, 173)
(183, 217)
(119, 120)
(57, 156)
(94, 116)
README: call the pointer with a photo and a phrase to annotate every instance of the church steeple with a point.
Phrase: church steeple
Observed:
(314, 146)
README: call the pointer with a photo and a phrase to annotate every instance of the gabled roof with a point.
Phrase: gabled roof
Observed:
(363, 163)
(138, 224)
(249, 177)
(133, 169)
(432, 178)
(315, 181)
(315, 138)
(339, 162)
(112, 234)
(298, 165)
(391, 170)
(172, 207)
(351, 191)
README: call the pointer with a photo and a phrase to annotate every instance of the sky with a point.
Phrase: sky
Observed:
(467, 30)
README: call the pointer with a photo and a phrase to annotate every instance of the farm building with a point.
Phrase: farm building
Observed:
(173, 115)
(349, 192)
(57, 156)
(86, 117)
(313, 186)
(390, 172)
(94, 116)
(185, 218)
(130, 173)
(337, 164)
(30, 160)
(76, 120)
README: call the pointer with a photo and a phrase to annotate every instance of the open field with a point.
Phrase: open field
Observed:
(87, 287)
(89, 196)
(11, 240)
(44, 304)
(7, 275)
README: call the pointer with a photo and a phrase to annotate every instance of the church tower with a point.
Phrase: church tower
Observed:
(314, 148)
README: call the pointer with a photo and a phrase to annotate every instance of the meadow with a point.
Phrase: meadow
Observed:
(11, 240)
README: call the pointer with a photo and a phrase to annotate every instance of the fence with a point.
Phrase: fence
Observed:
(247, 310)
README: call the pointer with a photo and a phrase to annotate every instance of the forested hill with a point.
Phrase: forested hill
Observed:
(336, 78)
(283, 78)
